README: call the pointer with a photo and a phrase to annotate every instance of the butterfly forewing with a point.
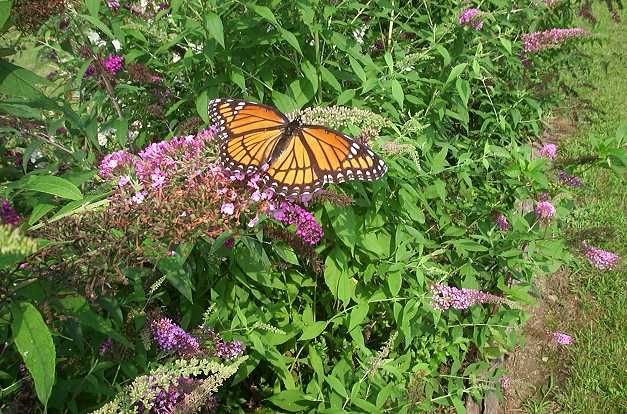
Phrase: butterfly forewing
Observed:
(234, 117)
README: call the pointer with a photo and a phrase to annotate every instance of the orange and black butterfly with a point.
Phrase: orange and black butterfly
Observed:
(292, 158)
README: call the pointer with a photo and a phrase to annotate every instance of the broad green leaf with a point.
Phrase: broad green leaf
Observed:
(336, 385)
(51, 184)
(39, 211)
(293, 401)
(5, 12)
(202, 106)
(313, 330)
(93, 6)
(463, 89)
(284, 102)
(310, 73)
(266, 13)
(397, 92)
(99, 24)
(358, 315)
(34, 343)
(357, 69)
(456, 71)
(177, 275)
(17, 81)
(329, 78)
(215, 27)
(395, 279)
(291, 39)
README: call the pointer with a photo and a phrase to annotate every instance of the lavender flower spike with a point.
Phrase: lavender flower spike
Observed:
(445, 297)
(599, 258)
(171, 337)
(471, 18)
(562, 339)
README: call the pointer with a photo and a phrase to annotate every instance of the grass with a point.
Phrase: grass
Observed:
(595, 379)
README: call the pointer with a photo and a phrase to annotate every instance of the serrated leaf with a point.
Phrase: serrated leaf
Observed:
(34, 343)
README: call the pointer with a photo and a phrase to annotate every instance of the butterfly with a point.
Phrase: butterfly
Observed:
(291, 157)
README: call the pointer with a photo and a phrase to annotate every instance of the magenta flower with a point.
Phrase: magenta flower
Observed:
(138, 197)
(90, 71)
(471, 18)
(105, 346)
(171, 337)
(548, 151)
(599, 258)
(537, 41)
(545, 210)
(569, 180)
(501, 222)
(445, 297)
(562, 339)
(307, 228)
(8, 215)
(113, 64)
(115, 161)
(113, 4)
(229, 350)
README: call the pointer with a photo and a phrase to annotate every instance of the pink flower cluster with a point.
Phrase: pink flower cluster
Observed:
(228, 349)
(599, 258)
(171, 337)
(537, 41)
(471, 18)
(548, 151)
(113, 4)
(501, 222)
(561, 338)
(8, 215)
(545, 210)
(445, 297)
(113, 64)
(307, 228)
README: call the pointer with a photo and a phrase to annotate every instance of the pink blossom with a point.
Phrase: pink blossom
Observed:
(562, 339)
(125, 179)
(307, 228)
(227, 208)
(545, 210)
(113, 64)
(139, 197)
(501, 222)
(8, 215)
(471, 18)
(549, 151)
(445, 297)
(537, 41)
(599, 258)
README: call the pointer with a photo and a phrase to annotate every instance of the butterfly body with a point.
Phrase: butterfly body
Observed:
(291, 157)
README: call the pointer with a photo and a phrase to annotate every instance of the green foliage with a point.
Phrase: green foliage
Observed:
(456, 111)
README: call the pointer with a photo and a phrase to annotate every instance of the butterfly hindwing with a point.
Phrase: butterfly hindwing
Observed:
(316, 155)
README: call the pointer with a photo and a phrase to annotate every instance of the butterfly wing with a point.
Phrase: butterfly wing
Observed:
(316, 155)
(249, 132)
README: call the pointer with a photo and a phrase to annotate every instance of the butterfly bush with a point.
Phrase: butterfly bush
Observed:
(561, 338)
(446, 297)
(501, 222)
(307, 228)
(569, 180)
(548, 151)
(544, 210)
(599, 258)
(171, 337)
(471, 18)
(8, 215)
(13, 242)
(538, 41)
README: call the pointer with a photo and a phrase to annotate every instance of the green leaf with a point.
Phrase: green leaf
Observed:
(34, 342)
(266, 13)
(336, 385)
(5, 12)
(310, 73)
(17, 81)
(358, 314)
(329, 78)
(39, 211)
(284, 102)
(286, 253)
(293, 401)
(291, 39)
(54, 185)
(357, 69)
(463, 89)
(395, 279)
(93, 6)
(99, 24)
(313, 330)
(456, 71)
(176, 274)
(397, 92)
(202, 106)
(215, 27)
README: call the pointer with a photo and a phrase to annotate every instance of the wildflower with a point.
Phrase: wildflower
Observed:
(113, 64)
(471, 18)
(599, 258)
(158, 179)
(307, 228)
(113, 4)
(569, 180)
(227, 208)
(505, 382)
(501, 222)
(114, 161)
(229, 243)
(229, 350)
(562, 339)
(163, 5)
(8, 215)
(125, 179)
(544, 210)
(548, 151)
(171, 337)
(537, 41)
(89, 72)
(445, 297)
(105, 346)
(138, 197)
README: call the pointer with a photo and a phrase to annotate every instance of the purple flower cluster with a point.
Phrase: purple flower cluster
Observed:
(561, 338)
(229, 350)
(445, 297)
(8, 215)
(544, 210)
(501, 222)
(307, 228)
(171, 337)
(537, 41)
(569, 180)
(471, 18)
(113, 64)
(599, 258)
(548, 151)
(115, 162)
(113, 4)
(105, 346)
